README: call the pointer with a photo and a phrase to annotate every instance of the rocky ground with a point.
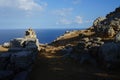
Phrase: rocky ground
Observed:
(91, 54)
(54, 66)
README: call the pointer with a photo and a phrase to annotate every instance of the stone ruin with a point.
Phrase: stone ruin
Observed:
(16, 63)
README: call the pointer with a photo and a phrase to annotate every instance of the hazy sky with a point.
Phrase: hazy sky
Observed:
(53, 13)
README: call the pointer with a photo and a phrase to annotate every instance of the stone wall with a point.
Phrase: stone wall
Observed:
(17, 62)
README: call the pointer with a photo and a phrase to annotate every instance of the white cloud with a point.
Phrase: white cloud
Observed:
(26, 5)
(64, 21)
(76, 1)
(63, 12)
(78, 20)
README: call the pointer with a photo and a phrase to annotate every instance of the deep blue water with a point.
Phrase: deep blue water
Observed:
(44, 35)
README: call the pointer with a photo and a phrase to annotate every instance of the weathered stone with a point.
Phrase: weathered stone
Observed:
(6, 45)
(100, 43)
(20, 56)
(6, 75)
(97, 39)
(30, 41)
(81, 45)
(110, 32)
(85, 39)
(21, 76)
(21, 59)
(98, 20)
(109, 52)
(16, 49)
(4, 60)
(117, 37)
(87, 58)
(67, 32)
(30, 33)
(16, 42)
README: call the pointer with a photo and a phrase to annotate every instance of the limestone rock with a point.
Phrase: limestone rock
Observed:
(109, 53)
(30, 39)
(96, 39)
(6, 75)
(109, 26)
(20, 57)
(21, 76)
(30, 33)
(98, 21)
(114, 14)
(4, 60)
(6, 44)
(117, 37)
(17, 42)
(110, 32)
(85, 39)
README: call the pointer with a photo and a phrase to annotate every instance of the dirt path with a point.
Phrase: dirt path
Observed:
(51, 67)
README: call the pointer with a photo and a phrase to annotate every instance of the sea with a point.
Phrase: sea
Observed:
(45, 36)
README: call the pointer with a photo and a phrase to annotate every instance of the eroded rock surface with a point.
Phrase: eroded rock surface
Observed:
(100, 41)
(16, 63)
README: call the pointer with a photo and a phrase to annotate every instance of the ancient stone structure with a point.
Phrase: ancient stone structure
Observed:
(30, 33)
(108, 26)
(17, 62)
(30, 39)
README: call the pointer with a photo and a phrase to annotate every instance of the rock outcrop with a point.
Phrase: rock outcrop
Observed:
(18, 61)
(98, 44)
(109, 26)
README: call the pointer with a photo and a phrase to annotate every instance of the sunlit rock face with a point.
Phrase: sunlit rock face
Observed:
(20, 56)
(29, 40)
(108, 26)
(30, 33)
(100, 42)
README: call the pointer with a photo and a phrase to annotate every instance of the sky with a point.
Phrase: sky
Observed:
(49, 14)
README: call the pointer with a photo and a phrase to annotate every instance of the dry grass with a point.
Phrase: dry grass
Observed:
(2, 49)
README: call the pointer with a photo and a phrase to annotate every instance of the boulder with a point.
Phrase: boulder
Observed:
(87, 58)
(6, 44)
(110, 32)
(6, 75)
(17, 42)
(30, 41)
(115, 24)
(4, 60)
(117, 37)
(86, 39)
(30, 33)
(98, 20)
(21, 76)
(109, 53)
(21, 59)
(97, 39)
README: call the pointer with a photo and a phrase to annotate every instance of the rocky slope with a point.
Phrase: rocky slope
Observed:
(91, 54)
(97, 44)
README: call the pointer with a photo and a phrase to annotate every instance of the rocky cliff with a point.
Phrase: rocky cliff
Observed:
(98, 44)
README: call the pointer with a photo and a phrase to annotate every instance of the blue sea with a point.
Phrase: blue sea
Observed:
(44, 35)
